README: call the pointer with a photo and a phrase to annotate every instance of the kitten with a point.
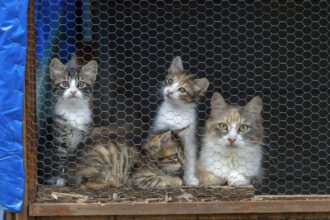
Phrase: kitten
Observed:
(113, 164)
(232, 146)
(178, 110)
(72, 119)
(108, 164)
(162, 164)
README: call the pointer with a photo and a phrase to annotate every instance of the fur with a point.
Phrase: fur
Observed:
(112, 163)
(232, 145)
(72, 119)
(178, 110)
(159, 169)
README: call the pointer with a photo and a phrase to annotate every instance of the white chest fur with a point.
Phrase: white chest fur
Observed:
(174, 117)
(76, 112)
(225, 162)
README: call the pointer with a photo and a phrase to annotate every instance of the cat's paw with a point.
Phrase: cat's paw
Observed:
(60, 182)
(238, 180)
(190, 181)
(168, 181)
(176, 181)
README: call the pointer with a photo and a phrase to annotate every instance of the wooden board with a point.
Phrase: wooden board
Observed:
(290, 216)
(181, 208)
(29, 125)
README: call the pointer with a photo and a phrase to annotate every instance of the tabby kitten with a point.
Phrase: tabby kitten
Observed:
(113, 164)
(232, 146)
(72, 117)
(178, 110)
(162, 163)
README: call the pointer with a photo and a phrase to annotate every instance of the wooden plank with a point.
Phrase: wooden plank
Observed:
(159, 217)
(29, 120)
(30, 129)
(268, 216)
(291, 197)
(77, 218)
(286, 216)
(176, 208)
(10, 216)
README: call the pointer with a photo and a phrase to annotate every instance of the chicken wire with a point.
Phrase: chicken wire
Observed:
(278, 51)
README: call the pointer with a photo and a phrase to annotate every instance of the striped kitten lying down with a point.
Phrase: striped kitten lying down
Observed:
(113, 164)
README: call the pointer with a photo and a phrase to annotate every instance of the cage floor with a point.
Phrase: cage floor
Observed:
(56, 194)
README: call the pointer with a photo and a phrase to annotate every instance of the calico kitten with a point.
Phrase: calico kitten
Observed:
(113, 164)
(178, 110)
(72, 119)
(232, 146)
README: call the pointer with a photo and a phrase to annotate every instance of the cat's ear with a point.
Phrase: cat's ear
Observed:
(57, 71)
(200, 86)
(182, 133)
(176, 66)
(165, 139)
(254, 106)
(89, 72)
(218, 103)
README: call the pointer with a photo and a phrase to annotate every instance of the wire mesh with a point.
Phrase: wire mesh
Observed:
(275, 50)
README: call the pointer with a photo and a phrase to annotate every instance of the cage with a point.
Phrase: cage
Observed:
(275, 50)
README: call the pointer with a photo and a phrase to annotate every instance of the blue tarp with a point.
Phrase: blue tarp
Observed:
(13, 40)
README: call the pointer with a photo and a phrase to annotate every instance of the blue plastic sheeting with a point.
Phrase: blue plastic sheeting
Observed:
(13, 19)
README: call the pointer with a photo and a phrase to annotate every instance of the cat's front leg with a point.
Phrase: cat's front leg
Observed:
(63, 164)
(207, 178)
(238, 179)
(190, 149)
(62, 169)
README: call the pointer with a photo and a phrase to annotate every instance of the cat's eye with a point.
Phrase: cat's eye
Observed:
(243, 128)
(65, 84)
(175, 156)
(170, 81)
(81, 84)
(182, 90)
(223, 126)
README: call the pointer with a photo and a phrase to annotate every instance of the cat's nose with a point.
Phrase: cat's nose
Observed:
(169, 91)
(232, 140)
(73, 91)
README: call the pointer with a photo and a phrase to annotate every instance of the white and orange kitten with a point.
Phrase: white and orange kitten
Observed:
(232, 146)
(178, 110)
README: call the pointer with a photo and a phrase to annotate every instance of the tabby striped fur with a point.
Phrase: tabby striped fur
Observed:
(110, 163)
(72, 119)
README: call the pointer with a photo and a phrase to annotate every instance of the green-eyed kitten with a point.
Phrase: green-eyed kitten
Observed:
(232, 146)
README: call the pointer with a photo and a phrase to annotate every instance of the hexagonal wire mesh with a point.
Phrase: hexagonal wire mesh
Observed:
(278, 51)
